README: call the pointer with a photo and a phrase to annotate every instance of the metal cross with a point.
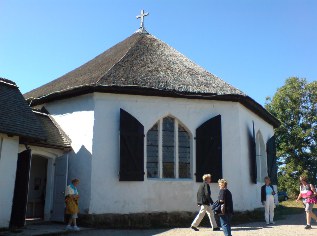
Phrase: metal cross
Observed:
(141, 16)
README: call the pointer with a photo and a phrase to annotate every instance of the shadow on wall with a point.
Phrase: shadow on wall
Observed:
(79, 167)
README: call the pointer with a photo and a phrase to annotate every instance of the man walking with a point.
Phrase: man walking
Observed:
(204, 201)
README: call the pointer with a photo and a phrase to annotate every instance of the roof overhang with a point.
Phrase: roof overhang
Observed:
(246, 101)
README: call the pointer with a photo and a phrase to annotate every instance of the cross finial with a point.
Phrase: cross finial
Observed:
(141, 16)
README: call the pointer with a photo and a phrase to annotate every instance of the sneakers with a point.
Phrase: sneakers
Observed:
(216, 229)
(308, 227)
(76, 228)
(194, 228)
(272, 223)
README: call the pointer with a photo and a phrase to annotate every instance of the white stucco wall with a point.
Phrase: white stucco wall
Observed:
(92, 122)
(8, 163)
(111, 196)
(76, 118)
(250, 195)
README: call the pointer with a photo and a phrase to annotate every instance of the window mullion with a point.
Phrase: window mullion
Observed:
(176, 156)
(160, 148)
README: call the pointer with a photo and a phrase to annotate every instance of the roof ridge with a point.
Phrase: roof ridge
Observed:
(136, 41)
(8, 82)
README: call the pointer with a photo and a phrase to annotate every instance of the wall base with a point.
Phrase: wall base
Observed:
(138, 220)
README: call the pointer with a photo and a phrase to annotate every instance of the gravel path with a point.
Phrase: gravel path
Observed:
(292, 226)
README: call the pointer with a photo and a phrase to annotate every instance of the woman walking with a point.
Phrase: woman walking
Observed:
(267, 199)
(225, 199)
(308, 195)
(71, 200)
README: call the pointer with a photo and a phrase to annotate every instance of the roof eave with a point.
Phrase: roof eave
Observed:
(23, 136)
(246, 101)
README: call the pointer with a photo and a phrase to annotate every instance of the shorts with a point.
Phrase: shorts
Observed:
(308, 206)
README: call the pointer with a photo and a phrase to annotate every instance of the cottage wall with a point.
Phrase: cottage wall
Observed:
(9, 147)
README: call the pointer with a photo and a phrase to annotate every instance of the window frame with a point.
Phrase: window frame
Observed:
(176, 151)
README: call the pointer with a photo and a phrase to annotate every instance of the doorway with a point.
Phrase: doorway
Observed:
(37, 189)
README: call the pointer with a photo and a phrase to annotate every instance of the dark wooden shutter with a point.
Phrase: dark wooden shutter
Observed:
(271, 159)
(252, 155)
(131, 148)
(21, 189)
(209, 149)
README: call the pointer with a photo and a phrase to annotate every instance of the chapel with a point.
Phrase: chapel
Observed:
(140, 124)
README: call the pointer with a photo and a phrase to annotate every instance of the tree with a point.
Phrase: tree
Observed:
(295, 105)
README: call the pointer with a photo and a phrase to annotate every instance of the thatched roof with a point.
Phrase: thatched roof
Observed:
(144, 65)
(16, 117)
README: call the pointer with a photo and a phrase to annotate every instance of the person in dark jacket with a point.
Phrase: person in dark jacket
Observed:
(225, 198)
(204, 201)
(267, 199)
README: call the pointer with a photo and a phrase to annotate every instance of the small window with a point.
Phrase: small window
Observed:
(183, 152)
(168, 150)
(152, 152)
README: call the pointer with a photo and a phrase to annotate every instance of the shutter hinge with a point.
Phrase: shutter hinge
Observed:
(195, 138)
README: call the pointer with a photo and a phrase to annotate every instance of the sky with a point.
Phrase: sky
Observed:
(254, 45)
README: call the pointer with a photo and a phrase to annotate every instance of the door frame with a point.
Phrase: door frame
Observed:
(49, 154)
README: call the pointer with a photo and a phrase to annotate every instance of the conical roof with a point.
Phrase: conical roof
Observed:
(144, 65)
(140, 61)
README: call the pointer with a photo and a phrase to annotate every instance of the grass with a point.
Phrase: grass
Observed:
(289, 207)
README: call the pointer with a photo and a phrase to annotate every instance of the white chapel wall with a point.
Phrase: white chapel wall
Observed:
(251, 192)
(76, 118)
(111, 196)
(9, 147)
(92, 122)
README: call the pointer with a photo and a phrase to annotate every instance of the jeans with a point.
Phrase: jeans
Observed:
(225, 224)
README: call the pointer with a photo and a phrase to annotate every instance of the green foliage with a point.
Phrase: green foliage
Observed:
(295, 105)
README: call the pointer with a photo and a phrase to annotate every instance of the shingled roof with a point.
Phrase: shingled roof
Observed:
(144, 65)
(16, 117)
(56, 137)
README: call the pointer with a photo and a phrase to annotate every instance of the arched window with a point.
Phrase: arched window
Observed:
(168, 150)
(261, 159)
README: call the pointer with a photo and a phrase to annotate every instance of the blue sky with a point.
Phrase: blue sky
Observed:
(253, 45)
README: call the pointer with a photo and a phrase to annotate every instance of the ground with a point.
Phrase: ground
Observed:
(290, 221)
(292, 225)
